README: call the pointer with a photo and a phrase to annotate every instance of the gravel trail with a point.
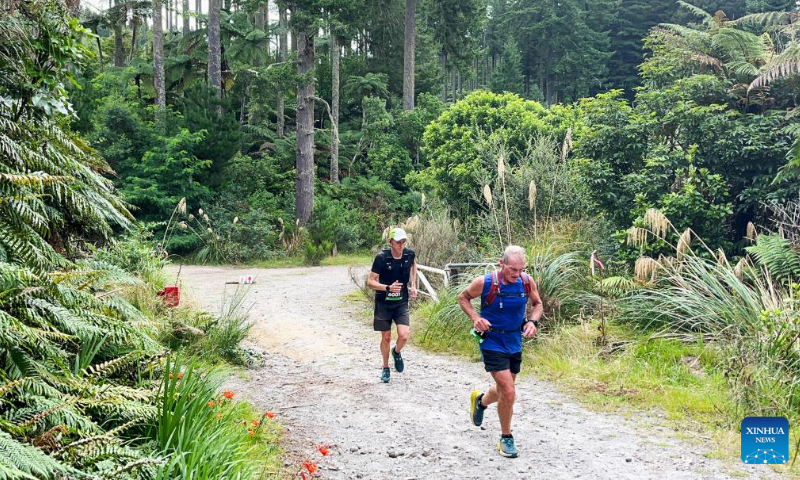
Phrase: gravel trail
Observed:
(320, 375)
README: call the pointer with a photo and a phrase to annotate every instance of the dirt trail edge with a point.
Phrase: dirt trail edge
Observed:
(321, 377)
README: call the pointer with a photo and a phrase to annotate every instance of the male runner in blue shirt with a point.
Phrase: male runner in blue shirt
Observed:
(502, 322)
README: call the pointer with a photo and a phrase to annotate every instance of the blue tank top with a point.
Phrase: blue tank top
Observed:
(506, 313)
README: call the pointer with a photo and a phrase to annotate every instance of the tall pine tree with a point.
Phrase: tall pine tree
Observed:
(507, 76)
(633, 21)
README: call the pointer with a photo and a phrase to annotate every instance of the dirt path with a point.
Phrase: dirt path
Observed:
(321, 377)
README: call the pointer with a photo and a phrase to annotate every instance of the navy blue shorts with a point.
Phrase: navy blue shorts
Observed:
(499, 361)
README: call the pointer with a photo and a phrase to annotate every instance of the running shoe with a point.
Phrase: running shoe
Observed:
(398, 360)
(475, 408)
(507, 448)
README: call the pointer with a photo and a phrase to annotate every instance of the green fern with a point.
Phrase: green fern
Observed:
(23, 461)
(775, 253)
(618, 286)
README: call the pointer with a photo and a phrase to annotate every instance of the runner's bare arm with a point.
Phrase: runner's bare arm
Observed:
(535, 312)
(474, 290)
(412, 288)
(373, 283)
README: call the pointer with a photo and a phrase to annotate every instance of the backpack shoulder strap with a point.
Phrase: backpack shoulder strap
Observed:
(493, 289)
(527, 282)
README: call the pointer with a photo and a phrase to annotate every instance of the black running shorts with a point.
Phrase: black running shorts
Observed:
(385, 314)
(499, 361)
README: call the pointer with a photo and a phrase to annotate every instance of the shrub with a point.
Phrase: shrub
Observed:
(436, 237)
(335, 223)
(314, 254)
(451, 141)
(135, 254)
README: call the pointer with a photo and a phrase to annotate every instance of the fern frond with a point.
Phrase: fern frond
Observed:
(696, 11)
(784, 65)
(110, 367)
(775, 253)
(18, 460)
(618, 286)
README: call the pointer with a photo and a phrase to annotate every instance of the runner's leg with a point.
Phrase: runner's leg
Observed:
(386, 340)
(503, 392)
(402, 337)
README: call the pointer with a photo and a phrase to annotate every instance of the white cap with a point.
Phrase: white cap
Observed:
(397, 234)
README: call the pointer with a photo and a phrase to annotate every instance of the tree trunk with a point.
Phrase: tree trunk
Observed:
(185, 17)
(99, 51)
(408, 59)
(119, 47)
(265, 24)
(549, 80)
(73, 7)
(134, 26)
(335, 109)
(198, 10)
(214, 49)
(258, 22)
(158, 59)
(304, 156)
(168, 11)
(282, 48)
(443, 62)
(475, 80)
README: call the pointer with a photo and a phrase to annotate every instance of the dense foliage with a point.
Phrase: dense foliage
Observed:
(662, 134)
(82, 382)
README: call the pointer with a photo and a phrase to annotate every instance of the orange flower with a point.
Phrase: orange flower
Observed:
(219, 416)
(269, 414)
(251, 433)
(255, 423)
(180, 375)
(311, 467)
(170, 376)
(210, 404)
(323, 450)
(228, 394)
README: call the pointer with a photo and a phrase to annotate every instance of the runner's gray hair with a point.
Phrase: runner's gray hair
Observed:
(513, 251)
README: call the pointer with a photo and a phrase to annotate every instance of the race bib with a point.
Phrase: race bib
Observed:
(394, 296)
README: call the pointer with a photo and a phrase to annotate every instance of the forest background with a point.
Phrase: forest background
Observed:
(661, 136)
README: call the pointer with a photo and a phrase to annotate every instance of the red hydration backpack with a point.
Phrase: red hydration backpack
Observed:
(494, 289)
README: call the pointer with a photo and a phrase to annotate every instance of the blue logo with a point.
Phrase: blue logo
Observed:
(765, 440)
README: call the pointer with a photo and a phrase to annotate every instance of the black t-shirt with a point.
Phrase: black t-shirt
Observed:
(389, 270)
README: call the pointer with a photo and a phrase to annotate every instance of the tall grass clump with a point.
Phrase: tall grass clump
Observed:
(214, 337)
(446, 327)
(197, 428)
(749, 317)
(233, 324)
(560, 278)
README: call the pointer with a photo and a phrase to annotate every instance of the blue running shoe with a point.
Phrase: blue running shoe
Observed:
(475, 408)
(507, 448)
(398, 360)
(385, 375)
